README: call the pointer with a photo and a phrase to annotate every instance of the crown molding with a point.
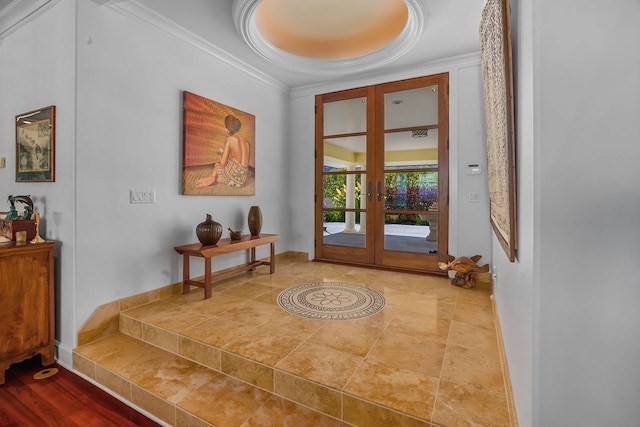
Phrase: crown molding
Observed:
(103, 2)
(373, 77)
(21, 12)
(134, 9)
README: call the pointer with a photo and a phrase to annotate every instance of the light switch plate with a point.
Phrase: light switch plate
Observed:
(142, 196)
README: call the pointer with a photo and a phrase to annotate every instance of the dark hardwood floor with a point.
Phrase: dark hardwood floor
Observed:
(63, 399)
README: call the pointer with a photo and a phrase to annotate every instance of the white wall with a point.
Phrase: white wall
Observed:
(120, 128)
(37, 65)
(130, 82)
(470, 220)
(590, 198)
(569, 306)
(469, 232)
(514, 283)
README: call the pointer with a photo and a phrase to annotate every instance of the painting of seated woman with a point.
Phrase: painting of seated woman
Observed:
(219, 149)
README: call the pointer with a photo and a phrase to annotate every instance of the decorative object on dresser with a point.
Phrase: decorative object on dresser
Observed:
(13, 212)
(26, 303)
(14, 222)
(37, 239)
(36, 145)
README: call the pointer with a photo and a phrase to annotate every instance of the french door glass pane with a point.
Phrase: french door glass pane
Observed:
(411, 108)
(344, 169)
(344, 117)
(411, 170)
(414, 191)
(343, 211)
(345, 153)
(411, 211)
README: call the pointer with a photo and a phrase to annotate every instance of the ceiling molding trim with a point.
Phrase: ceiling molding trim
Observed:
(134, 9)
(244, 14)
(103, 2)
(20, 12)
(373, 78)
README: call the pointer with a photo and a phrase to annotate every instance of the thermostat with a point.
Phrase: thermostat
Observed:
(473, 169)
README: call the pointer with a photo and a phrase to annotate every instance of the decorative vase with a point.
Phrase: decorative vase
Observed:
(209, 231)
(255, 221)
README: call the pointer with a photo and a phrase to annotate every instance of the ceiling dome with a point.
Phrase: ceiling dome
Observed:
(326, 36)
(313, 29)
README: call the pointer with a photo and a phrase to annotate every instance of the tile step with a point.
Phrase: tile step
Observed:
(193, 384)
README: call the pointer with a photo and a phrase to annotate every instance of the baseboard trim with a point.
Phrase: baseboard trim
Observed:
(64, 355)
(513, 417)
(105, 320)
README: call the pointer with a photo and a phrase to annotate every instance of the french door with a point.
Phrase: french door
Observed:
(382, 174)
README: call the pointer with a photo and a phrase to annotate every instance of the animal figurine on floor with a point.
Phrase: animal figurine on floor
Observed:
(464, 268)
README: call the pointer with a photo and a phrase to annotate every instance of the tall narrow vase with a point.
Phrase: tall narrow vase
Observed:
(255, 221)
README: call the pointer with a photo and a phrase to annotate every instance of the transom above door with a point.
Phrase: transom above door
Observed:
(382, 174)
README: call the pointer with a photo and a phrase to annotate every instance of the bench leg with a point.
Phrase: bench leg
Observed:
(252, 258)
(185, 274)
(272, 259)
(207, 278)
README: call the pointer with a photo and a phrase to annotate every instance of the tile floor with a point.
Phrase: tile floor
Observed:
(430, 358)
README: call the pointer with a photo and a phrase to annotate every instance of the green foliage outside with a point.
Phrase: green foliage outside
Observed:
(413, 191)
(340, 197)
(407, 191)
(335, 188)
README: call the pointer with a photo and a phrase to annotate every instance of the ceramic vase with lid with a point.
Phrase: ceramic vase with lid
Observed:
(255, 221)
(209, 231)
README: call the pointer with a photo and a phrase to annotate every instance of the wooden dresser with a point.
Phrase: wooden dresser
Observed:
(26, 303)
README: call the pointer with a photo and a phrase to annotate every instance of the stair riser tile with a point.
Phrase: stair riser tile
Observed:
(113, 382)
(363, 413)
(153, 404)
(248, 371)
(312, 395)
(160, 338)
(83, 365)
(201, 353)
(131, 326)
(187, 419)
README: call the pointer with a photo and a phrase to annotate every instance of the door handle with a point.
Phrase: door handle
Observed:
(379, 191)
(369, 188)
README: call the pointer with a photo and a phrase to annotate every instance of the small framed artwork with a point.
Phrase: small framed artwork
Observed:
(218, 149)
(36, 145)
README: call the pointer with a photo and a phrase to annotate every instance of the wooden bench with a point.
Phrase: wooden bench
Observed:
(224, 246)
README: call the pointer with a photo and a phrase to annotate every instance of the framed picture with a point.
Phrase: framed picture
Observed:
(36, 145)
(218, 149)
(497, 74)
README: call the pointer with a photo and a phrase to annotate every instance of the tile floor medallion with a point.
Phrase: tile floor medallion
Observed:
(331, 301)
